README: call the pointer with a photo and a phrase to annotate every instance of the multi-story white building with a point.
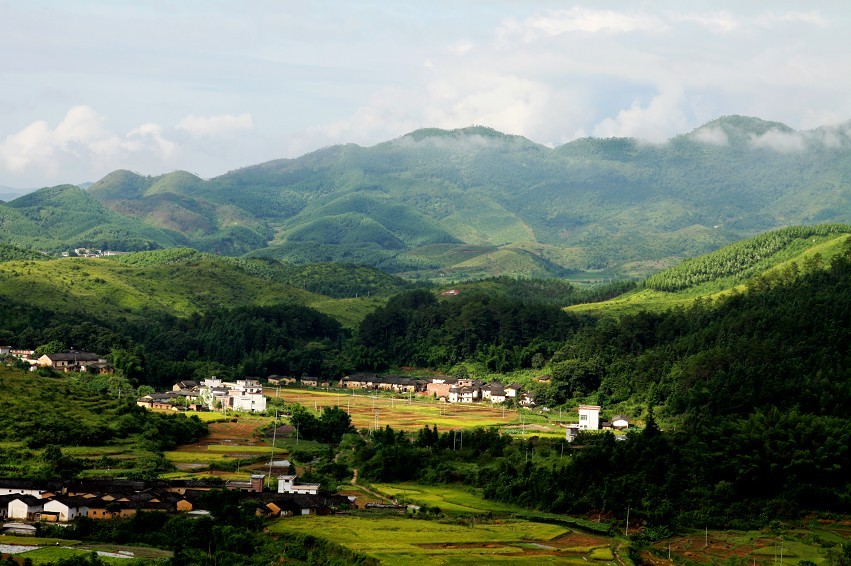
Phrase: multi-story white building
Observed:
(589, 417)
(244, 395)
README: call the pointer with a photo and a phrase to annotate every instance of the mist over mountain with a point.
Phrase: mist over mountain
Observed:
(472, 202)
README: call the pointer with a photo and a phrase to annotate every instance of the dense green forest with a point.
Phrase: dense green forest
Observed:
(754, 388)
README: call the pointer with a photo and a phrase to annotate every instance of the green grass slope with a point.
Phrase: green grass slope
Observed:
(182, 282)
(104, 288)
(767, 256)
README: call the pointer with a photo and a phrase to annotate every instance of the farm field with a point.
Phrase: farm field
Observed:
(819, 543)
(239, 438)
(400, 540)
(234, 442)
(412, 413)
(45, 550)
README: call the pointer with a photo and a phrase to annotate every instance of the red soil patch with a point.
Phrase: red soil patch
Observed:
(243, 432)
(576, 539)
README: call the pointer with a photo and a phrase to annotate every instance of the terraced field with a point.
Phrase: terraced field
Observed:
(400, 540)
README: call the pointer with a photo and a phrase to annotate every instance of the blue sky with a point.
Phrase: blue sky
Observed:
(210, 86)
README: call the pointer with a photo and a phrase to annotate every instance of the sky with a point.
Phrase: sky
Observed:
(208, 86)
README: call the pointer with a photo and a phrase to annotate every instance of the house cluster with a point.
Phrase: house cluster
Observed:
(589, 419)
(92, 252)
(244, 395)
(61, 502)
(450, 389)
(70, 361)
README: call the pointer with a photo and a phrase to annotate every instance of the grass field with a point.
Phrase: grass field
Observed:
(400, 540)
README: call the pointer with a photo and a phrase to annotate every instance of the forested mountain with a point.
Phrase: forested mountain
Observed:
(472, 202)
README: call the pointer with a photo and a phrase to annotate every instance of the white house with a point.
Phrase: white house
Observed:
(589, 417)
(497, 394)
(620, 422)
(513, 390)
(9, 486)
(64, 508)
(244, 395)
(25, 507)
(287, 484)
(248, 402)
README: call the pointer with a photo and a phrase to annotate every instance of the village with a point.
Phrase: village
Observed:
(247, 395)
(25, 502)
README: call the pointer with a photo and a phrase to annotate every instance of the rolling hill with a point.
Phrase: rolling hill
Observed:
(180, 283)
(473, 202)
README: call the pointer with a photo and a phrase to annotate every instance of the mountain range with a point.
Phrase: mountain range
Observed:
(470, 202)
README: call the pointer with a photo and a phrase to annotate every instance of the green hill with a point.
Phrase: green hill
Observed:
(776, 254)
(96, 430)
(591, 208)
(66, 216)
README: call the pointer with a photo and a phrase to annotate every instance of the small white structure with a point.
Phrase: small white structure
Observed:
(589, 417)
(571, 433)
(620, 422)
(513, 390)
(287, 484)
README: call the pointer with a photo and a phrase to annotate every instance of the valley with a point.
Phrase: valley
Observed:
(721, 363)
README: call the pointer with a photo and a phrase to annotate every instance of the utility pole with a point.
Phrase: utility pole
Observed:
(274, 438)
(626, 531)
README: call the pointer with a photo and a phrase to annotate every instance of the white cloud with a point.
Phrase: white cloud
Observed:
(79, 142)
(771, 19)
(782, 142)
(577, 19)
(721, 22)
(711, 135)
(654, 122)
(222, 124)
(461, 47)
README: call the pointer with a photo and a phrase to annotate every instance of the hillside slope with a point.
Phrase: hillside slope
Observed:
(764, 258)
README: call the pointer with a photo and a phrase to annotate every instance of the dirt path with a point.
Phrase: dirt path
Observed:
(366, 489)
